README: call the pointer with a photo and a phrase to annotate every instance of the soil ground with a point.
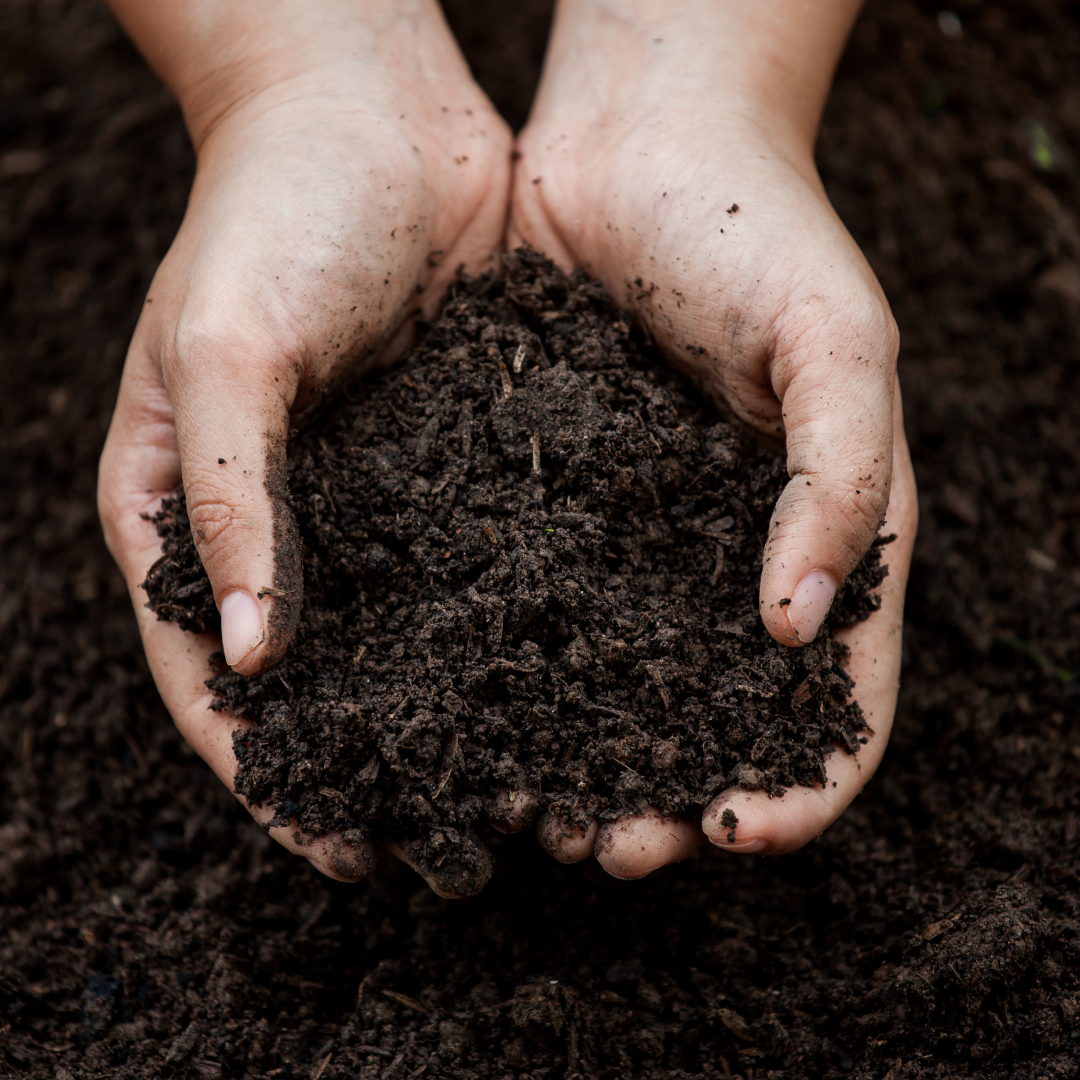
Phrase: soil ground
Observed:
(148, 928)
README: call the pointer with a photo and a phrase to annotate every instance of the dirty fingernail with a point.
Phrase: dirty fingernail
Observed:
(241, 626)
(745, 847)
(810, 604)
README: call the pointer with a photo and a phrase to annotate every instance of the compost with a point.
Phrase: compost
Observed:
(149, 929)
(530, 559)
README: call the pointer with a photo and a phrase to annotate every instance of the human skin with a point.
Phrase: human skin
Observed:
(347, 165)
(669, 153)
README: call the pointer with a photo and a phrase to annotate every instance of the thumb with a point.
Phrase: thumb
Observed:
(837, 399)
(232, 422)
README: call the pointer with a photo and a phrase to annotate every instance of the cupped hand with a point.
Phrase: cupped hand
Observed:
(674, 170)
(338, 191)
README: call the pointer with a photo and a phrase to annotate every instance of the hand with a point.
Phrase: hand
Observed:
(347, 166)
(670, 154)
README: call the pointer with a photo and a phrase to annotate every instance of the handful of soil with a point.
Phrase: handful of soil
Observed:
(531, 558)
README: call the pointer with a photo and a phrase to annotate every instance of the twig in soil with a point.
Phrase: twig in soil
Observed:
(288, 688)
(401, 420)
(535, 451)
(719, 565)
(322, 1067)
(802, 691)
(408, 1002)
(507, 385)
(442, 783)
(451, 753)
(658, 679)
(400, 705)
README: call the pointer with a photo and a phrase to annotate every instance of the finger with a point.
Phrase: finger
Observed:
(180, 663)
(141, 463)
(774, 826)
(330, 854)
(513, 807)
(567, 841)
(635, 846)
(231, 385)
(452, 876)
(835, 380)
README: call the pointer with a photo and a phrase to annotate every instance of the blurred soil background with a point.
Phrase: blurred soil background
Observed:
(148, 928)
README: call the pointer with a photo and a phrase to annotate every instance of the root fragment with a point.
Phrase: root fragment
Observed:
(658, 680)
(719, 565)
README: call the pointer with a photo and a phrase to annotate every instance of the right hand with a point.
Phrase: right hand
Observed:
(332, 200)
(669, 154)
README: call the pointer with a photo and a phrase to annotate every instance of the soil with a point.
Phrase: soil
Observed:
(148, 928)
(530, 559)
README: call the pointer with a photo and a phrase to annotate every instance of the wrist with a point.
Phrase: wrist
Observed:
(215, 56)
(769, 63)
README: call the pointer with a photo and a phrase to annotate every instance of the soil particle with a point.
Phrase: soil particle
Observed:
(511, 570)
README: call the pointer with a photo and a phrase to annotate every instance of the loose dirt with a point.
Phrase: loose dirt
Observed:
(148, 928)
(530, 560)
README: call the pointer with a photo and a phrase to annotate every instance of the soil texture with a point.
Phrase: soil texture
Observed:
(149, 929)
(530, 559)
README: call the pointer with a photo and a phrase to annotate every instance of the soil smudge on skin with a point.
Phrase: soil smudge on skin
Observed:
(288, 585)
(532, 560)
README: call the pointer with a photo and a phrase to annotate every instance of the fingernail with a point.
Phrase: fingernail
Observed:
(810, 604)
(241, 626)
(745, 847)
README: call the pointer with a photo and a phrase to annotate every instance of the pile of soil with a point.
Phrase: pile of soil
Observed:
(531, 558)
(149, 929)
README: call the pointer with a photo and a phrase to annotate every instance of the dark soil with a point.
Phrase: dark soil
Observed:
(148, 928)
(530, 558)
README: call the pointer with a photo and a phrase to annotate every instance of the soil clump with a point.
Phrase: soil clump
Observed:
(531, 558)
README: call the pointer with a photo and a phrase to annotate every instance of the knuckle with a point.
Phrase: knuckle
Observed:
(859, 326)
(880, 329)
(217, 527)
(873, 327)
(864, 510)
(235, 345)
